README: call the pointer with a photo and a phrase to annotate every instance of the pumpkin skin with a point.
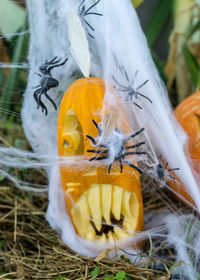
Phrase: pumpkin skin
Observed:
(93, 196)
(188, 116)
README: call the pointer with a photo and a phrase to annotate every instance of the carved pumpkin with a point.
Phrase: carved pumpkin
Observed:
(102, 206)
(188, 116)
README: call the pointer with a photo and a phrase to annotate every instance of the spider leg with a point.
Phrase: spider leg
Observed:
(118, 83)
(126, 74)
(134, 153)
(55, 61)
(121, 165)
(133, 166)
(120, 90)
(142, 84)
(51, 100)
(79, 7)
(128, 96)
(97, 126)
(88, 24)
(92, 6)
(173, 169)
(109, 168)
(135, 146)
(36, 86)
(97, 151)
(96, 14)
(98, 158)
(52, 61)
(90, 34)
(173, 178)
(136, 72)
(166, 166)
(38, 74)
(92, 139)
(57, 65)
(133, 135)
(41, 104)
(144, 96)
(102, 146)
(35, 94)
(137, 105)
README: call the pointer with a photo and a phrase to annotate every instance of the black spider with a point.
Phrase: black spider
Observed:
(132, 93)
(117, 143)
(162, 172)
(47, 82)
(83, 13)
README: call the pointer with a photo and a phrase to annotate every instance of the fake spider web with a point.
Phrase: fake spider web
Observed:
(119, 54)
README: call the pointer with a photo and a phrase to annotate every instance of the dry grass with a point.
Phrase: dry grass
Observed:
(30, 249)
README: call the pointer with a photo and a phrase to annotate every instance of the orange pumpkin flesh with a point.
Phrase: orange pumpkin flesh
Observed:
(95, 200)
(188, 116)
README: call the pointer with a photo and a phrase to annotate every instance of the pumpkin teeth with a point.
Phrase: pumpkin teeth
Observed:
(94, 199)
(125, 204)
(106, 191)
(106, 213)
(116, 202)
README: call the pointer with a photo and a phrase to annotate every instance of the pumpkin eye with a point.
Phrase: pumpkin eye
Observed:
(73, 143)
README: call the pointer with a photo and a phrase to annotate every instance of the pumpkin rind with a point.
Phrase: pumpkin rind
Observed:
(82, 103)
(188, 116)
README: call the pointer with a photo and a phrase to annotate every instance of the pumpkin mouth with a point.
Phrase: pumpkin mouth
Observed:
(105, 213)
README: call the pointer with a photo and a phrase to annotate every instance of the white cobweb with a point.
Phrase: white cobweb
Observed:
(119, 54)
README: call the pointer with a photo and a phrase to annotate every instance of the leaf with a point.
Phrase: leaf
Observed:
(137, 3)
(12, 17)
(192, 64)
(120, 275)
(158, 19)
(193, 29)
(96, 271)
(191, 61)
(78, 43)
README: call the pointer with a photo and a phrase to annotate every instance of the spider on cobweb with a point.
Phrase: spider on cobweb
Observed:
(83, 12)
(114, 148)
(133, 93)
(162, 172)
(47, 82)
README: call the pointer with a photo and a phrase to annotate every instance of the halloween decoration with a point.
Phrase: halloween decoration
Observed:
(162, 171)
(47, 82)
(115, 148)
(131, 88)
(83, 12)
(102, 206)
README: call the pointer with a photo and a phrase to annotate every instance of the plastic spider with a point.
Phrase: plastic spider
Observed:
(47, 82)
(132, 93)
(83, 13)
(162, 172)
(115, 149)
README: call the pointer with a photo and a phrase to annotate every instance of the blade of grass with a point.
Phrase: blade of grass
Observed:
(192, 65)
(158, 19)
(19, 54)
